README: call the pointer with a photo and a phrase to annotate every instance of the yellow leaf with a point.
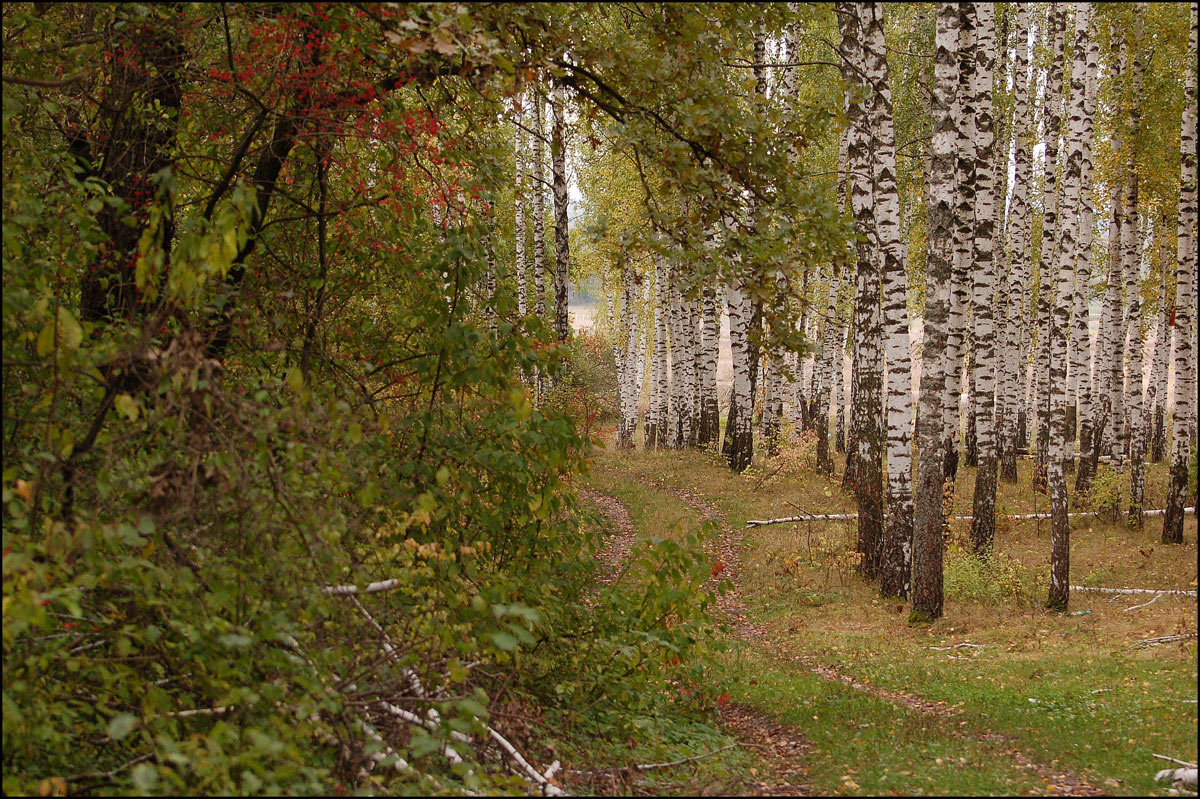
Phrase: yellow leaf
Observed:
(25, 491)
(295, 379)
(127, 406)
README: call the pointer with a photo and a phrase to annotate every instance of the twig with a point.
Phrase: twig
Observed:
(957, 646)
(1176, 762)
(202, 711)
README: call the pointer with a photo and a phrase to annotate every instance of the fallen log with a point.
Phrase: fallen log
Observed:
(1145, 643)
(1182, 777)
(830, 517)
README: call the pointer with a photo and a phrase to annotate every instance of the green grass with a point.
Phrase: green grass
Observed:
(1101, 709)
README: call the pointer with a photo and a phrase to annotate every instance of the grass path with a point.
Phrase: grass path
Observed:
(868, 735)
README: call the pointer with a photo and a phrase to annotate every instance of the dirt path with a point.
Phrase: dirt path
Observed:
(616, 550)
(783, 747)
(1059, 781)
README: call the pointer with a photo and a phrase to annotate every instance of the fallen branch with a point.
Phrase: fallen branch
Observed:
(1154, 599)
(1176, 762)
(957, 646)
(1159, 591)
(841, 517)
(652, 766)
(1162, 639)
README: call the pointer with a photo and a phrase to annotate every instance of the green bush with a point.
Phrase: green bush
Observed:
(1104, 497)
(999, 578)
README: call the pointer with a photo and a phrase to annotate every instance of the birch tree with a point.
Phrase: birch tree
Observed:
(519, 210)
(739, 440)
(562, 246)
(1081, 337)
(896, 561)
(539, 208)
(1018, 302)
(1065, 254)
(628, 373)
(656, 418)
(709, 426)
(1185, 304)
(927, 595)
(964, 110)
(867, 365)
(983, 529)
(1051, 196)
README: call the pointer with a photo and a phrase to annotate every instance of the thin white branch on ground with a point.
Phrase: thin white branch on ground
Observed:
(1159, 591)
(1162, 639)
(1155, 598)
(957, 646)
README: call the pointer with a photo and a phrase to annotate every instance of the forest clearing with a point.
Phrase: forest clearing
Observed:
(599, 399)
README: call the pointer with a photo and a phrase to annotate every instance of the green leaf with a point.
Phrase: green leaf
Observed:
(127, 406)
(504, 641)
(121, 725)
(145, 778)
(295, 379)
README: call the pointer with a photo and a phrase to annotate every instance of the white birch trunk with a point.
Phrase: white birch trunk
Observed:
(897, 544)
(1066, 252)
(1183, 417)
(519, 211)
(984, 377)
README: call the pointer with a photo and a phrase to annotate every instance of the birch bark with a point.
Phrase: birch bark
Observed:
(896, 561)
(983, 529)
(519, 210)
(1183, 417)
(562, 245)
(866, 413)
(1067, 252)
(927, 595)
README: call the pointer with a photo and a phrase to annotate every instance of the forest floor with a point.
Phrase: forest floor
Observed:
(828, 690)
